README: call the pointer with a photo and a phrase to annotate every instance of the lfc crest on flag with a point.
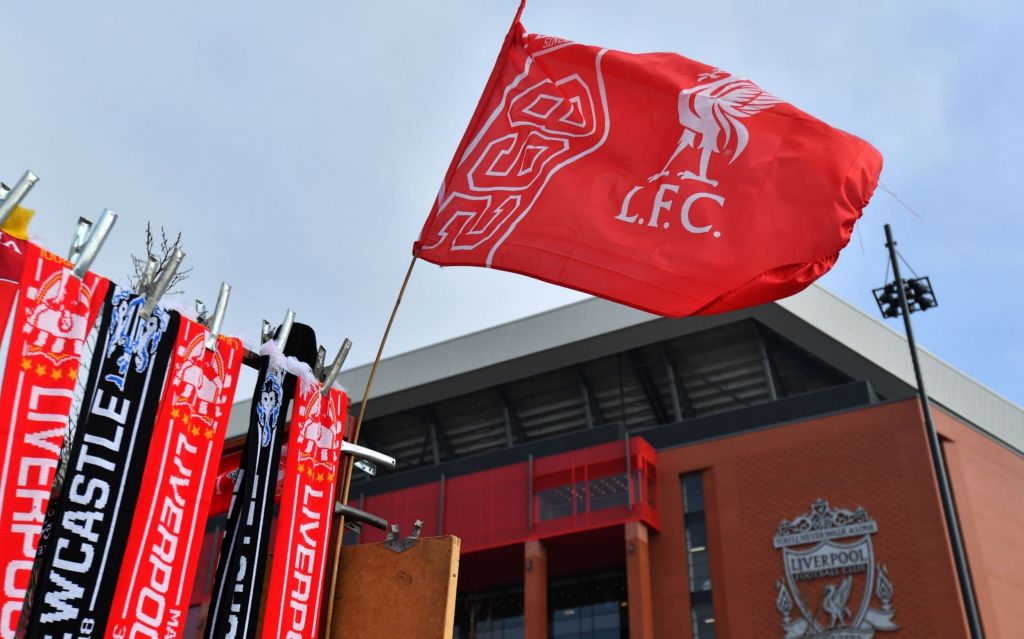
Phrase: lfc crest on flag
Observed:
(714, 110)
(711, 114)
(831, 576)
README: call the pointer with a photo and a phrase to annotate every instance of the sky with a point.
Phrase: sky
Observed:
(298, 146)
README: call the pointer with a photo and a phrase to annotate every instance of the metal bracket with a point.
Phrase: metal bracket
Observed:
(202, 313)
(367, 467)
(147, 277)
(215, 322)
(285, 329)
(393, 543)
(85, 252)
(360, 516)
(318, 366)
(13, 197)
(373, 456)
(331, 374)
(81, 235)
(156, 289)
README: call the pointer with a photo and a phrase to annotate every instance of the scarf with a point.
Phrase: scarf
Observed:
(51, 321)
(153, 590)
(238, 585)
(80, 554)
(307, 508)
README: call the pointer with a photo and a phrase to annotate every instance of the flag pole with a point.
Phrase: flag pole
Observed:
(349, 461)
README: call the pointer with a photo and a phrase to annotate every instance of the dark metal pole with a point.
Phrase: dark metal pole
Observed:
(529, 492)
(939, 461)
(629, 474)
(440, 509)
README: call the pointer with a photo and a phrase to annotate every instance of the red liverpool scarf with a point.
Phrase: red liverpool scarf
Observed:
(152, 595)
(83, 543)
(52, 320)
(304, 523)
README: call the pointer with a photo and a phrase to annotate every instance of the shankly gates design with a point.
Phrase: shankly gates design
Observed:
(831, 581)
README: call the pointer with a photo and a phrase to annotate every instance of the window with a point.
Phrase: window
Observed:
(697, 551)
(563, 501)
(589, 607)
(608, 492)
(494, 614)
(702, 611)
(599, 493)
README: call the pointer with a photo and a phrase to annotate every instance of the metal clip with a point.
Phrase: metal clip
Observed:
(162, 283)
(202, 313)
(81, 235)
(283, 331)
(146, 281)
(362, 452)
(332, 373)
(318, 366)
(218, 316)
(368, 468)
(354, 514)
(16, 195)
(392, 542)
(90, 248)
(286, 329)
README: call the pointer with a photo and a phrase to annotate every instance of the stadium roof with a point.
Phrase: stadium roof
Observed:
(818, 321)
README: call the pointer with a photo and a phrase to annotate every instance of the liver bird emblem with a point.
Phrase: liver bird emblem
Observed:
(714, 110)
(834, 601)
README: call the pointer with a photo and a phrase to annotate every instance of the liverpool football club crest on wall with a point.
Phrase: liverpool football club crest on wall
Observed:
(832, 587)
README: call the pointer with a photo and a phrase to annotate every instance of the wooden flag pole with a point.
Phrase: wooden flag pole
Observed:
(349, 461)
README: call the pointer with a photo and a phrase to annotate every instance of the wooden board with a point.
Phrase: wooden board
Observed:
(387, 595)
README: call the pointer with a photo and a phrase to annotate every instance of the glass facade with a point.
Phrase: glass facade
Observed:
(701, 609)
(599, 493)
(589, 607)
(494, 614)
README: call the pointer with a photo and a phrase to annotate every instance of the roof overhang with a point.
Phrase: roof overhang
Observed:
(818, 321)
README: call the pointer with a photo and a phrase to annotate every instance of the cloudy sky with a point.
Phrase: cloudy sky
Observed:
(298, 146)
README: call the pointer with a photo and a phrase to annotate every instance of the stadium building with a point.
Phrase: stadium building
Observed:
(763, 473)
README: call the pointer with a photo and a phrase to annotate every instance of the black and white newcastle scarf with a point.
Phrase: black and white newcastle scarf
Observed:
(237, 590)
(83, 541)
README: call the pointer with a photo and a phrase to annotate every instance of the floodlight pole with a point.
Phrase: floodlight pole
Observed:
(938, 460)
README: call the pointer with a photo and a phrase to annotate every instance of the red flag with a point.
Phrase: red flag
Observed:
(648, 179)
